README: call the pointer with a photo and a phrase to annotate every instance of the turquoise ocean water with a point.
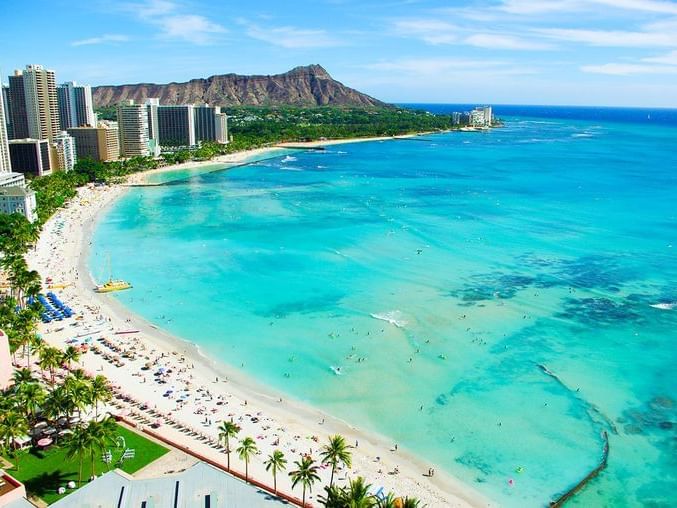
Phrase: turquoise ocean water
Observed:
(439, 274)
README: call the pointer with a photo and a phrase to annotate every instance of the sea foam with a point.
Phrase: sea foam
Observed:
(394, 317)
(664, 306)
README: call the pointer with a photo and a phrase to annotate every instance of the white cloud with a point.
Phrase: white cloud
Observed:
(538, 7)
(173, 22)
(151, 8)
(656, 6)
(531, 7)
(436, 32)
(293, 38)
(445, 68)
(101, 40)
(627, 69)
(611, 38)
(667, 59)
(499, 41)
(189, 27)
(431, 31)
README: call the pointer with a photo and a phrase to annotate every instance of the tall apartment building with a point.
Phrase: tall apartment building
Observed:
(98, 143)
(5, 160)
(152, 105)
(205, 122)
(176, 126)
(30, 156)
(64, 151)
(17, 106)
(8, 111)
(42, 109)
(133, 129)
(210, 124)
(222, 129)
(75, 105)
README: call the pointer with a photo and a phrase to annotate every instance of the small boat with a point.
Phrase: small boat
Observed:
(112, 285)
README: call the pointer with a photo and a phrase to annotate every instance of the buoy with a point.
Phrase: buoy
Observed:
(511, 482)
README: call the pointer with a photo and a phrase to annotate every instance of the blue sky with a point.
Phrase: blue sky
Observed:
(597, 52)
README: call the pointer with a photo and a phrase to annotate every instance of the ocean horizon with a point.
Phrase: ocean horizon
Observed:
(495, 302)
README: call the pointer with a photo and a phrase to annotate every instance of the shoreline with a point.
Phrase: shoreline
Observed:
(243, 395)
(250, 156)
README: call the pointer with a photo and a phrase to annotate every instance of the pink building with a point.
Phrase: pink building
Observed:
(6, 369)
(12, 492)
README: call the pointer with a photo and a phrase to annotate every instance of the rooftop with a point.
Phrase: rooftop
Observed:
(15, 191)
(199, 485)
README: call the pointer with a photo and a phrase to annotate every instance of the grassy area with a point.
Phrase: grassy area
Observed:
(43, 472)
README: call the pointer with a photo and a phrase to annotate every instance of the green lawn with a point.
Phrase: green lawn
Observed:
(43, 472)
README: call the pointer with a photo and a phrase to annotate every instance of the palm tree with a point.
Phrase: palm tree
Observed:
(72, 354)
(59, 402)
(334, 497)
(226, 431)
(78, 390)
(50, 359)
(412, 502)
(275, 462)
(21, 377)
(305, 474)
(388, 502)
(357, 494)
(12, 426)
(103, 434)
(37, 345)
(99, 391)
(81, 443)
(31, 396)
(335, 453)
(245, 451)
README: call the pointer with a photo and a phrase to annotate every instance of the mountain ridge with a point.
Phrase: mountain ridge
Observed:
(309, 85)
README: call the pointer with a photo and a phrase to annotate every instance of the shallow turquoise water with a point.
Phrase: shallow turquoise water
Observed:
(441, 272)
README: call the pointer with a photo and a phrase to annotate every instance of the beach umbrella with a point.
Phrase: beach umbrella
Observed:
(45, 441)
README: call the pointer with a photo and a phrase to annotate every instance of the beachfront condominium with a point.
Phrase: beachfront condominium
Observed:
(152, 104)
(30, 156)
(133, 129)
(5, 161)
(176, 126)
(99, 143)
(17, 106)
(222, 128)
(64, 151)
(481, 116)
(42, 109)
(210, 124)
(75, 105)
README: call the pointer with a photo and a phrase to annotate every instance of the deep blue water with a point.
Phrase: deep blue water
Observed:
(639, 116)
(442, 274)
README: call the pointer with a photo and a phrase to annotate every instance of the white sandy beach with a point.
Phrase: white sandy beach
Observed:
(198, 400)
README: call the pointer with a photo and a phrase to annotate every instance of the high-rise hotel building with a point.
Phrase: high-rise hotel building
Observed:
(17, 106)
(42, 109)
(210, 124)
(75, 105)
(133, 129)
(98, 143)
(176, 126)
(5, 160)
(8, 111)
